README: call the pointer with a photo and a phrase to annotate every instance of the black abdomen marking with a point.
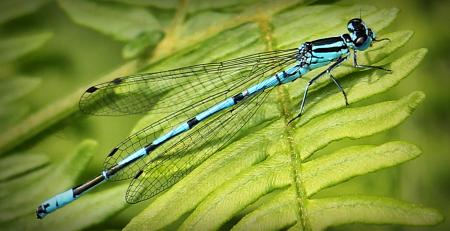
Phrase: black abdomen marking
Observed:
(192, 122)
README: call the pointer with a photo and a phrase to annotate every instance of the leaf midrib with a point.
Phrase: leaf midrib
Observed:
(283, 98)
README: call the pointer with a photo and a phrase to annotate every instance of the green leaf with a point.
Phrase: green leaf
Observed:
(194, 5)
(163, 4)
(198, 5)
(200, 21)
(144, 41)
(20, 164)
(14, 47)
(181, 199)
(368, 209)
(22, 199)
(122, 22)
(275, 172)
(11, 9)
(353, 161)
(353, 123)
(88, 211)
(327, 171)
(11, 115)
(20, 194)
(16, 87)
(280, 213)
(22, 182)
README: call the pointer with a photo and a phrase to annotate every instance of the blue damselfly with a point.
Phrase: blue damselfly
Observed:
(197, 93)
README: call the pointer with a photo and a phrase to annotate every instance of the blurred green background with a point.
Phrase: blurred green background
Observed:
(64, 58)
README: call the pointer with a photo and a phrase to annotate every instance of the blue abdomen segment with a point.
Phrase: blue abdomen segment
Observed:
(68, 196)
(55, 203)
(138, 154)
(270, 82)
(181, 128)
(294, 73)
(219, 107)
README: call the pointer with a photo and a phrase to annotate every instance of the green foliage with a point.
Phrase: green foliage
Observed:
(119, 21)
(267, 178)
(146, 40)
(280, 212)
(21, 164)
(10, 9)
(18, 87)
(122, 22)
(20, 193)
(13, 47)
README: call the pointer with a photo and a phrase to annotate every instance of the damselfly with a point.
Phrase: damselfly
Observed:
(197, 93)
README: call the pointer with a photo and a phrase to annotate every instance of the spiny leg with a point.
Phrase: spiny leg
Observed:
(339, 86)
(305, 94)
(310, 82)
(356, 65)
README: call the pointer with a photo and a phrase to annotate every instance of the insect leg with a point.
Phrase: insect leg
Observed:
(310, 82)
(356, 65)
(339, 86)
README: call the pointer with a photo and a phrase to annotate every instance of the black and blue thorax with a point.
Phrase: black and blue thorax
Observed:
(321, 52)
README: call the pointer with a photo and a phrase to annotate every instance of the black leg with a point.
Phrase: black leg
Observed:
(356, 65)
(310, 82)
(304, 96)
(379, 40)
(340, 87)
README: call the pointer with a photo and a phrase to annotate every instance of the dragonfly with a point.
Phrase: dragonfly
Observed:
(209, 104)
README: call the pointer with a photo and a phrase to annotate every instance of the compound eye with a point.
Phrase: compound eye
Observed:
(355, 21)
(360, 41)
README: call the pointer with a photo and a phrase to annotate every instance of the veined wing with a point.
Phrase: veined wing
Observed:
(148, 134)
(171, 90)
(172, 162)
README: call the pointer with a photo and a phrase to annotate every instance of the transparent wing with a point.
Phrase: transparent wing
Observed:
(174, 161)
(147, 135)
(167, 91)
